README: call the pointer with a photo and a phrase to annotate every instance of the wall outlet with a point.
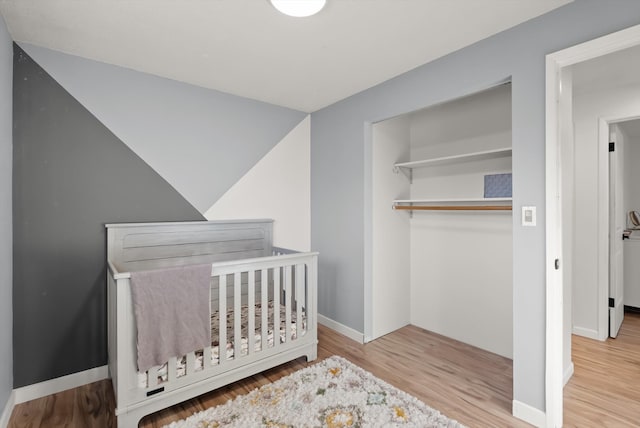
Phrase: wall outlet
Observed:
(528, 216)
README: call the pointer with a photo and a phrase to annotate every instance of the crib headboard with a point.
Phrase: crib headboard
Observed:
(138, 246)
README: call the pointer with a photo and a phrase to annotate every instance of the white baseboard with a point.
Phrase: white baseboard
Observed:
(8, 409)
(53, 386)
(568, 373)
(529, 414)
(341, 328)
(586, 332)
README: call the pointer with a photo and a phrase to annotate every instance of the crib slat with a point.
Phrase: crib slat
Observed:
(206, 352)
(222, 323)
(300, 297)
(264, 283)
(172, 369)
(152, 377)
(190, 363)
(206, 358)
(276, 306)
(237, 315)
(251, 336)
(287, 302)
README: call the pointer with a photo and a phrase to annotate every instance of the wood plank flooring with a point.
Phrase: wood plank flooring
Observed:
(605, 388)
(463, 382)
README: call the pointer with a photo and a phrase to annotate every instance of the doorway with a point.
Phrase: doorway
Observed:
(605, 93)
(591, 207)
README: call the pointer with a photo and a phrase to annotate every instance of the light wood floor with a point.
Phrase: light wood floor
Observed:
(605, 388)
(464, 383)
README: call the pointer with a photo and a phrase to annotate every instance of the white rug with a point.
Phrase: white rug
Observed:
(333, 393)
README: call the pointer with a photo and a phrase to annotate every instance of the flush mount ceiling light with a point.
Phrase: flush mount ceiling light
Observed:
(299, 8)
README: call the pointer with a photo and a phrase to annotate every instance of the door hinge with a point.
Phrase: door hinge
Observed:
(612, 147)
(556, 264)
(612, 302)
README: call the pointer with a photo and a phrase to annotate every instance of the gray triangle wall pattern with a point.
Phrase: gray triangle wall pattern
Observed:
(71, 176)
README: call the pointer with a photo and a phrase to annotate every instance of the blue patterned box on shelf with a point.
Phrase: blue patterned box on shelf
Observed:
(497, 186)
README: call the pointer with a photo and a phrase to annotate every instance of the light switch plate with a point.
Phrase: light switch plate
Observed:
(528, 216)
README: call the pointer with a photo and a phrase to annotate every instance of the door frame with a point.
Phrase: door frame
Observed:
(554, 285)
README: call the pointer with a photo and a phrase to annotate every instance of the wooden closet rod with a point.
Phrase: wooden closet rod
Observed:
(454, 207)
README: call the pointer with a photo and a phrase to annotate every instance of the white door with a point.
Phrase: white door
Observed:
(616, 227)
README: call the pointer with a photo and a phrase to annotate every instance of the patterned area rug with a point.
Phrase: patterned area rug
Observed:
(332, 393)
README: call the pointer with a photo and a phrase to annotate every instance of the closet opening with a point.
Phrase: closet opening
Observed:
(441, 223)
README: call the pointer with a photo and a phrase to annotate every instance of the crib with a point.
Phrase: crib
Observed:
(268, 295)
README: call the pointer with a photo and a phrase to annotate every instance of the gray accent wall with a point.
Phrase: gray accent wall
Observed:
(339, 144)
(6, 246)
(200, 140)
(71, 175)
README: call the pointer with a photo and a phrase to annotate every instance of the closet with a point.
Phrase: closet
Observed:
(441, 247)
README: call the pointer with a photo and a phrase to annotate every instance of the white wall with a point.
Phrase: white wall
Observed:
(277, 187)
(461, 262)
(632, 161)
(390, 235)
(612, 103)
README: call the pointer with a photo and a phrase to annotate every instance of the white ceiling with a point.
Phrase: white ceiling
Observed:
(246, 48)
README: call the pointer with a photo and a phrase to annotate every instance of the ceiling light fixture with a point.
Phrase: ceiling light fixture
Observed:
(299, 8)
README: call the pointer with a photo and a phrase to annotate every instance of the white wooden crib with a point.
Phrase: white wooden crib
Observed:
(247, 275)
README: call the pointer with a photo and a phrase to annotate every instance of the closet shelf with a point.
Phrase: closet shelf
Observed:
(485, 154)
(446, 200)
(471, 204)
(453, 207)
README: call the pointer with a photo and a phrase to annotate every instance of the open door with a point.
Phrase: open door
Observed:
(617, 218)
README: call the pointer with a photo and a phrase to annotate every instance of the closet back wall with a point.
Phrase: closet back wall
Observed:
(461, 261)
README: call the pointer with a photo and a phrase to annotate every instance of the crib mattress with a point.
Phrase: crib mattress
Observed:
(230, 348)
